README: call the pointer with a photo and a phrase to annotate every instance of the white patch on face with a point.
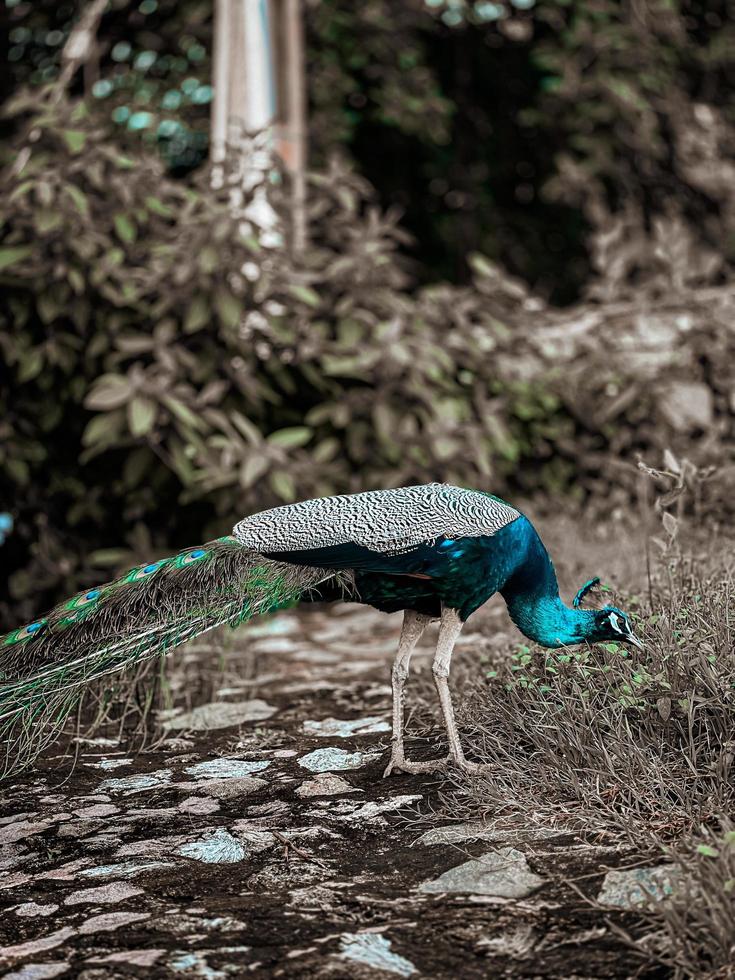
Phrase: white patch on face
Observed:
(617, 624)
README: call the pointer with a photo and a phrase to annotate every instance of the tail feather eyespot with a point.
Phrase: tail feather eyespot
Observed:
(140, 572)
(189, 557)
(84, 599)
(25, 632)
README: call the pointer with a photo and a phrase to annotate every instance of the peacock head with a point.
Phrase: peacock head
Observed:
(611, 623)
(608, 623)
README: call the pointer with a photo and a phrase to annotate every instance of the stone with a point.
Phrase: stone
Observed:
(325, 784)
(372, 812)
(39, 945)
(219, 847)
(334, 727)
(99, 810)
(116, 891)
(31, 910)
(22, 829)
(199, 805)
(374, 950)
(502, 874)
(37, 971)
(134, 957)
(331, 759)
(108, 764)
(125, 869)
(223, 714)
(687, 405)
(109, 921)
(137, 783)
(631, 887)
(225, 768)
(456, 833)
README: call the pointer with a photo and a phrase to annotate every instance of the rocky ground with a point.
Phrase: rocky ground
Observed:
(259, 839)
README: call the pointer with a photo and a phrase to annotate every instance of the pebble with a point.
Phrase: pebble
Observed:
(374, 950)
(334, 727)
(31, 910)
(223, 714)
(331, 759)
(502, 874)
(628, 888)
(136, 783)
(224, 768)
(219, 848)
(325, 784)
(116, 891)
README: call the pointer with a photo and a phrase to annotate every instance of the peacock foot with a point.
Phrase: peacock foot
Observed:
(470, 768)
(399, 763)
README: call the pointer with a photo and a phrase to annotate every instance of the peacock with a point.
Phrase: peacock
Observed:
(434, 551)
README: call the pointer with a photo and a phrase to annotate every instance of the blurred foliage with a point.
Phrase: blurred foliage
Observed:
(163, 373)
(515, 128)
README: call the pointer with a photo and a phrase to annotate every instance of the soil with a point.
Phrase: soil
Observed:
(233, 858)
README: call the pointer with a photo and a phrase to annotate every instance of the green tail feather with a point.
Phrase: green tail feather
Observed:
(46, 666)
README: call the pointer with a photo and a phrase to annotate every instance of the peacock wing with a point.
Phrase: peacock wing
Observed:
(379, 530)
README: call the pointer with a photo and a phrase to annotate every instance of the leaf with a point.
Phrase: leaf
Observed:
(156, 206)
(305, 293)
(9, 256)
(46, 221)
(707, 851)
(74, 139)
(291, 438)
(109, 391)
(252, 469)
(208, 259)
(141, 415)
(183, 413)
(125, 228)
(197, 314)
(283, 485)
(79, 198)
(102, 430)
(663, 706)
(228, 308)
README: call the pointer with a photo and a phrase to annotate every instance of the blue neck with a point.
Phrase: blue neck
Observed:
(546, 620)
(532, 595)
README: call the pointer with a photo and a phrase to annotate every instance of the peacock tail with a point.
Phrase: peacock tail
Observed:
(46, 665)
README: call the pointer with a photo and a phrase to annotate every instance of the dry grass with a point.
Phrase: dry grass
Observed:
(640, 745)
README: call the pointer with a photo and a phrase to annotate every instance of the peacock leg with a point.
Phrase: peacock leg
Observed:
(449, 629)
(414, 625)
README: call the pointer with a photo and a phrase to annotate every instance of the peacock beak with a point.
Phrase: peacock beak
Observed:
(632, 638)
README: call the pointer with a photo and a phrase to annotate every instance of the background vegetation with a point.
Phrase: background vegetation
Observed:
(162, 373)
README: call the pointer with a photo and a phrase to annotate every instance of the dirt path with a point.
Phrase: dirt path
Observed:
(271, 846)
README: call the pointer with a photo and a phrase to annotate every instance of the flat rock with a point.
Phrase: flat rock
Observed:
(502, 874)
(372, 812)
(225, 768)
(325, 784)
(456, 833)
(628, 888)
(219, 847)
(374, 950)
(134, 957)
(333, 759)
(335, 727)
(116, 891)
(137, 783)
(109, 921)
(30, 910)
(199, 805)
(223, 714)
(126, 869)
(38, 971)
